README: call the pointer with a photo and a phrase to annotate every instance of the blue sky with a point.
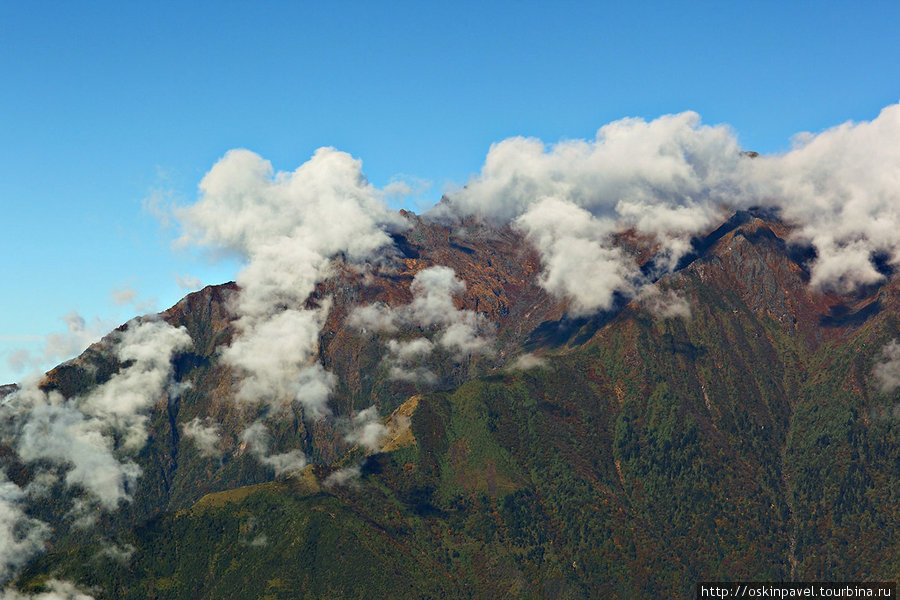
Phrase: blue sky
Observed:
(104, 105)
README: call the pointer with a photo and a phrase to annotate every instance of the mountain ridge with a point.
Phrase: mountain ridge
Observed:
(675, 437)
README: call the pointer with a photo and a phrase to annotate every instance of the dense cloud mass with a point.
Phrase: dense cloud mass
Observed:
(668, 177)
(842, 187)
(123, 401)
(671, 178)
(287, 227)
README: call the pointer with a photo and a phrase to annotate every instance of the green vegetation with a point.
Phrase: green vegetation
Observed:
(653, 454)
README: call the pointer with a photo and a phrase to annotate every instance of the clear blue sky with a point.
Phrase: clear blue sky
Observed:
(104, 104)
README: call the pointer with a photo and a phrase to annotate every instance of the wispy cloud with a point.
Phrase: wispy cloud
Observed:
(256, 439)
(463, 332)
(90, 437)
(22, 536)
(206, 436)
(188, 282)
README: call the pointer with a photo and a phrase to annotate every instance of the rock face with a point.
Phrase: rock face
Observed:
(740, 435)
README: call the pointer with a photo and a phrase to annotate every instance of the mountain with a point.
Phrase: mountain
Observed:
(729, 421)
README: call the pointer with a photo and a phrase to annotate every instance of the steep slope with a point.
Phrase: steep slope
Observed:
(645, 450)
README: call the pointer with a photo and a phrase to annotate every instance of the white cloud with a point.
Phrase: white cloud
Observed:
(123, 296)
(422, 375)
(275, 355)
(366, 429)
(19, 360)
(287, 463)
(403, 188)
(80, 434)
(887, 371)
(666, 178)
(580, 261)
(160, 205)
(527, 361)
(128, 296)
(671, 178)
(120, 554)
(188, 282)
(668, 306)
(326, 205)
(464, 336)
(41, 484)
(843, 187)
(124, 400)
(256, 439)
(56, 590)
(62, 346)
(411, 350)
(205, 437)
(62, 434)
(463, 332)
(343, 477)
(377, 317)
(21, 537)
(658, 176)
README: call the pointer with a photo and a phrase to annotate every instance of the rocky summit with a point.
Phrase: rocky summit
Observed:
(477, 436)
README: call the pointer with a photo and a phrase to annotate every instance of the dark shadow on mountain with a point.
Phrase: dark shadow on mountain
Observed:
(574, 330)
(462, 248)
(803, 254)
(764, 235)
(653, 269)
(882, 264)
(402, 244)
(186, 362)
(419, 499)
(670, 344)
(373, 464)
(841, 315)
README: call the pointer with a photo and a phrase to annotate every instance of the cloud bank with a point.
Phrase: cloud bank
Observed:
(673, 177)
(287, 227)
(843, 187)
